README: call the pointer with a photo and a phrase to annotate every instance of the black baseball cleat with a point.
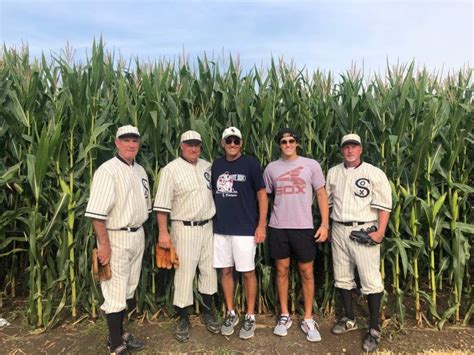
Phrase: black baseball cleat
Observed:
(182, 330)
(130, 342)
(211, 322)
(120, 350)
(371, 341)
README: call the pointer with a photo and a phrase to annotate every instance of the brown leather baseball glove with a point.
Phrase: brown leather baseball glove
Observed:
(166, 258)
(100, 272)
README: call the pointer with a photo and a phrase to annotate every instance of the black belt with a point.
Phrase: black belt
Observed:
(353, 224)
(195, 223)
(128, 229)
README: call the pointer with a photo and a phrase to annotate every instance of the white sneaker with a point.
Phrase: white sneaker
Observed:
(284, 323)
(230, 322)
(310, 328)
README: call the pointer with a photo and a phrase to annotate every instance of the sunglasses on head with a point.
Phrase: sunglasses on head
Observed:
(230, 140)
(287, 141)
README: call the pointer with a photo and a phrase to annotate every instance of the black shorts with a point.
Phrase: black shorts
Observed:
(298, 243)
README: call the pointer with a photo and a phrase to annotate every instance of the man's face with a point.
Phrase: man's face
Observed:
(191, 151)
(232, 147)
(351, 153)
(128, 147)
(288, 146)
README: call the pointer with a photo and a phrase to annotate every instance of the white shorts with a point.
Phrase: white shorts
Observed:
(234, 249)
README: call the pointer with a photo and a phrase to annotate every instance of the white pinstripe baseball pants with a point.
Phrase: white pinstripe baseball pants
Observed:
(126, 264)
(348, 254)
(194, 246)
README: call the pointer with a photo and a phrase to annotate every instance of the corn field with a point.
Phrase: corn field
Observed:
(57, 123)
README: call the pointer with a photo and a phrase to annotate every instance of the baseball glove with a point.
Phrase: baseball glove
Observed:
(100, 272)
(362, 236)
(166, 258)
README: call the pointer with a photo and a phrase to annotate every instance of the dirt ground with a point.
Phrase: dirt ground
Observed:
(88, 337)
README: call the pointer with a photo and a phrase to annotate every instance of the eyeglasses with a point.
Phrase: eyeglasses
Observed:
(287, 141)
(230, 140)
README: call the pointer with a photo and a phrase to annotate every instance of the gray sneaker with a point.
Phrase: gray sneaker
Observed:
(231, 320)
(310, 328)
(344, 325)
(371, 341)
(284, 323)
(248, 328)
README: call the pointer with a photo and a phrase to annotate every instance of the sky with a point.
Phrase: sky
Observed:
(325, 35)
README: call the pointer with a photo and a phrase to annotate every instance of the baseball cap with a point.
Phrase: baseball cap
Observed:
(288, 131)
(127, 131)
(191, 137)
(351, 138)
(231, 131)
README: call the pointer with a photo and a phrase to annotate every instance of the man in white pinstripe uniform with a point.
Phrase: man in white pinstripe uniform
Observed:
(119, 204)
(360, 197)
(184, 194)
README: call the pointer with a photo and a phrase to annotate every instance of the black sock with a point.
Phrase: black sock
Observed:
(182, 312)
(374, 301)
(114, 323)
(131, 304)
(346, 296)
(207, 303)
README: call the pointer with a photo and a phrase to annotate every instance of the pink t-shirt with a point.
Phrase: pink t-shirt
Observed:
(293, 183)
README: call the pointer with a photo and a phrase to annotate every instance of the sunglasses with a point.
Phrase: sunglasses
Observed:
(231, 140)
(287, 141)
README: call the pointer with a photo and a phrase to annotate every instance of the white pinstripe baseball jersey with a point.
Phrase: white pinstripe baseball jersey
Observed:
(120, 194)
(355, 194)
(184, 191)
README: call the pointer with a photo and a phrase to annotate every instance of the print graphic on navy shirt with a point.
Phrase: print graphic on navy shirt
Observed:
(225, 184)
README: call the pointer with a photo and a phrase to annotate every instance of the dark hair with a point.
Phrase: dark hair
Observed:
(289, 131)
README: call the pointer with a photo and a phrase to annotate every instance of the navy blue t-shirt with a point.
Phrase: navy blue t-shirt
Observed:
(235, 185)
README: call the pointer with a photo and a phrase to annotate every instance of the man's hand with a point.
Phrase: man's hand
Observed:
(321, 234)
(103, 253)
(376, 236)
(164, 240)
(260, 234)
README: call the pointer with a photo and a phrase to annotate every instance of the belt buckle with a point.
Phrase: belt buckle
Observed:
(193, 224)
(129, 229)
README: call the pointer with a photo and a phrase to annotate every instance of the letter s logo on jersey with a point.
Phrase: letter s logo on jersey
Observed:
(207, 177)
(146, 189)
(362, 187)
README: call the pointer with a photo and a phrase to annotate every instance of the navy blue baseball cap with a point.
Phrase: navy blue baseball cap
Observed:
(291, 132)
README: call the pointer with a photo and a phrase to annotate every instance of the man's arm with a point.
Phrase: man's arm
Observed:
(260, 232)
(103, 244)
(164, 239)
(323, 205)
(383, 217)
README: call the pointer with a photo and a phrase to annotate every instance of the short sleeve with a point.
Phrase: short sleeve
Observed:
(268, 180)
(317, 178)
(164, 193)
(328, 188)
(102, 197)
(257, 175)
(382, 193)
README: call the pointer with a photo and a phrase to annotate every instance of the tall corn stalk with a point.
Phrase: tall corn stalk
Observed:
(59, 119)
